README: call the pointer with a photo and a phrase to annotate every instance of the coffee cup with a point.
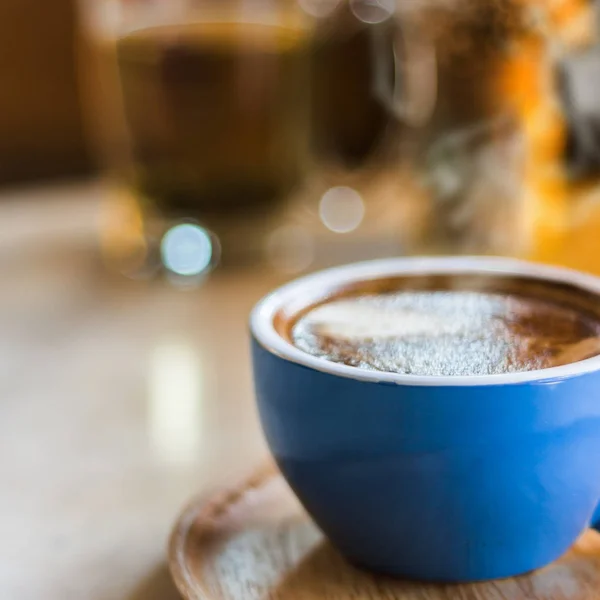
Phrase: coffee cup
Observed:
(438, 478)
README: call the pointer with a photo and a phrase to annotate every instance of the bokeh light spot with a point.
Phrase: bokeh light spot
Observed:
(187, 249)
(341, 209)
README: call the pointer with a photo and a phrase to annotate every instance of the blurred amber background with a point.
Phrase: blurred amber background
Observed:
(41, 132)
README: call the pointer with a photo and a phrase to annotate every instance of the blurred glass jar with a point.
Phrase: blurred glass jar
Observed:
(311, 132)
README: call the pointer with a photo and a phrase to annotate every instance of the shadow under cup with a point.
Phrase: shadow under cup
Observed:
(432, 478)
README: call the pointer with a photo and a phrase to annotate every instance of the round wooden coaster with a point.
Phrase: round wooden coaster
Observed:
(255, 542)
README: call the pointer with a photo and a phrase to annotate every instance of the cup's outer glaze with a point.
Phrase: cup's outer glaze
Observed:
(430, 478)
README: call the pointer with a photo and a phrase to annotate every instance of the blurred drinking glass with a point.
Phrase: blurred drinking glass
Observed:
(200, 112)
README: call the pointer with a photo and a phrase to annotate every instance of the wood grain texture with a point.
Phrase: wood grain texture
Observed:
(255, 542)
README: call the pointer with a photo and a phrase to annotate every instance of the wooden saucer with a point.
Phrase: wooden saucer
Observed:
(255, 542)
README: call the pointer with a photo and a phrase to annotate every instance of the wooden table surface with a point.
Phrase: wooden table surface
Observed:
(119, 400)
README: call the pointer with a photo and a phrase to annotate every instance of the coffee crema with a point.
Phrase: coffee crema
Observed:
(451, 325)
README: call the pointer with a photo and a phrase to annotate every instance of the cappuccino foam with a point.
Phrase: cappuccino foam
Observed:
(442, 333)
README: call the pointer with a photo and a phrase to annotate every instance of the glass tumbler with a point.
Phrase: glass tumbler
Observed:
(199, 112)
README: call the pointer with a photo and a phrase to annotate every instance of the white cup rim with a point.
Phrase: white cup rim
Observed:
(299, 293)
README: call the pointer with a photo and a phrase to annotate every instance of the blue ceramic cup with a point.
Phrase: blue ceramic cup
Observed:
(432, 478)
